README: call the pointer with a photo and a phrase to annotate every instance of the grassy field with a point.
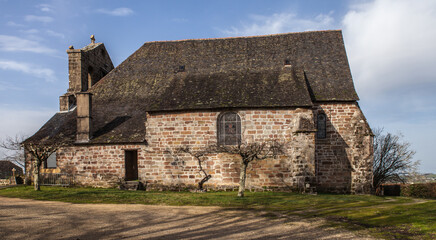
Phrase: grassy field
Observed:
(387, 217)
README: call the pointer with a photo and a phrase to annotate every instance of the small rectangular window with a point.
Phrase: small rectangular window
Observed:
(51, 161)
(321, 126)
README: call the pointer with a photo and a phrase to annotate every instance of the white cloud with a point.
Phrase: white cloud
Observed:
(119, 12)
(30, 69)
(30, 31)
(14, 24)
(45, 7)
(16, 44)
(43, 19)
(17, 120)
(55, 34)
(392, 54)
(8, 86)
(280, 23)
(391, 44)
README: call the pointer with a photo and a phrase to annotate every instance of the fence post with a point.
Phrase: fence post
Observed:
(13, 180)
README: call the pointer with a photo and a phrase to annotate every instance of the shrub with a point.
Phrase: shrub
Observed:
(421, 190)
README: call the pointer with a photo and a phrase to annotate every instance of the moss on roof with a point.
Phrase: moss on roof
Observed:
(243, 72)
(61, 127)
(220, 67)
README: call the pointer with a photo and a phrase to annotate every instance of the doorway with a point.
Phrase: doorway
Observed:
(131, 164)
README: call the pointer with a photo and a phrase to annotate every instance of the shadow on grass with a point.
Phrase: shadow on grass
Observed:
(45, 220)
(390, 215)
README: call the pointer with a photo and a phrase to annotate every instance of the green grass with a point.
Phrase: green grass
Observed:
(387, 217)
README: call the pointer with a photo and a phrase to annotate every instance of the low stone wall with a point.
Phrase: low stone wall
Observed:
(4, 182)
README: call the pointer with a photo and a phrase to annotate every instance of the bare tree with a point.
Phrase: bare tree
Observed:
(200, 156)
(393, 159)
(13, 151)
(40, 152)
(250, 152)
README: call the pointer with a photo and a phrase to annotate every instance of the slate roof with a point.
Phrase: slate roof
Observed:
(151, 71)
(111, 123)
(61, 127)
(6, 169)
(185, 75)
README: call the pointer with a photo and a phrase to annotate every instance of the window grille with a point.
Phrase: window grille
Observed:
(229, 129)
(321, 126)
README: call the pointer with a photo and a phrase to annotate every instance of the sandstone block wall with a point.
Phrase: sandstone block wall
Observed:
(101, 166)
(344, 157)
(169, 131)
(4, 182)
(161, 166)
(96, 166)
(340, 163)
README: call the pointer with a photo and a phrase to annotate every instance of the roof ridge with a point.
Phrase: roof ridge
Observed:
(243, 37)
(90, 46)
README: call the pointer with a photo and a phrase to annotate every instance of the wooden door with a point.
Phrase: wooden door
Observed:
(131, 164)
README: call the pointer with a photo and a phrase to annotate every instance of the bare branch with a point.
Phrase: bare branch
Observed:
(393, 160)
(248, 152)
(252, 152)
(13, 150)
(40, 152)
(200, 156)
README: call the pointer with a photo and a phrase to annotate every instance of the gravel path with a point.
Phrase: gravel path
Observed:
(30, 219)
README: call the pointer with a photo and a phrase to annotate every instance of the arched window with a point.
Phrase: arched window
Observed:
(321, 126)
(229, 129)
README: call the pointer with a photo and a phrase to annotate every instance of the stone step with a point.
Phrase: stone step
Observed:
(310, 190)
(132, 185)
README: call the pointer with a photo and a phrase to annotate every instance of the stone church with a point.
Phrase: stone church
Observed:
(125, 123)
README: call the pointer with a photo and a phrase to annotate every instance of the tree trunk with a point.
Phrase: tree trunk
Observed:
(36, 176)
(242, 177)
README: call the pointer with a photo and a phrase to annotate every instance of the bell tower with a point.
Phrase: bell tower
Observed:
(86, 66)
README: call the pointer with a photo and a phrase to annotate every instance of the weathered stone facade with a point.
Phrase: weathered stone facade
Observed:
(169, 95)
(85, 68)
(160, 165)
(167, 132)
(344, 157)
(329, 164)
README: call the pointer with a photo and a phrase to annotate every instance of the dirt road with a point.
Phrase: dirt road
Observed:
(30, 219)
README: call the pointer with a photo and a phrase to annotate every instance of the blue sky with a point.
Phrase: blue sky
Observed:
(391, 46)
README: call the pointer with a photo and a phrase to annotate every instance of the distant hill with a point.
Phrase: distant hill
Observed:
(422, 178)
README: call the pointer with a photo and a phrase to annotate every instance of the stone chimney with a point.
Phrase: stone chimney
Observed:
(77, 82)
(67, 102)
(84, 110)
